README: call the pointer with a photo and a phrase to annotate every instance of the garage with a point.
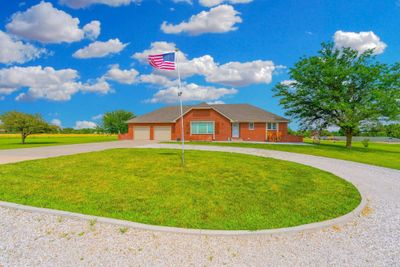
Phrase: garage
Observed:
(141, 133)
(162, 133)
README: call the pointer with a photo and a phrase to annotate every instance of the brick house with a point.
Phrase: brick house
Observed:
(204, 122)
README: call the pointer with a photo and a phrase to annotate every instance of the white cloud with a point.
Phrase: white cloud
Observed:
(158, 48)
(46, 24)
(242, 74)
(210, 3)
(56, 122)
(217, 102)
(360, 41)
(15, 51)
(219, 19)
(288, 82)
(85, 3)
(84, 125)
(46, 83)
(97, 117)
(100, 49)
(99, 86)
(121, 76)
(92, 29)
(231, 73)
(190, 92)
(157, 79)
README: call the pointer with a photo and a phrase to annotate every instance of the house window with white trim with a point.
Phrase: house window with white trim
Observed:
(251, 125)
(202, 127)
(272, 126)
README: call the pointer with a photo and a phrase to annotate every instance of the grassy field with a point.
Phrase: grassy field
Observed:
(215, 190)
(10, 141)
(380, 154)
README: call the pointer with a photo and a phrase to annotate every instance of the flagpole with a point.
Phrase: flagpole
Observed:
(180, 101)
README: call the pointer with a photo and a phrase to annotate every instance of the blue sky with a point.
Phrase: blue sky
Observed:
(72, 60)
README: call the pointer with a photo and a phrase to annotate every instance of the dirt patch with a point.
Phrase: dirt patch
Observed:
(367, 210)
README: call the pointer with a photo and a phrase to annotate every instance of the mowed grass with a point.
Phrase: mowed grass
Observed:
(214, 190)
(379, 154)
(11, 141)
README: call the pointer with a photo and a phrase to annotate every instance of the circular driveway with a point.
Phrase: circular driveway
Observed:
(372, 238)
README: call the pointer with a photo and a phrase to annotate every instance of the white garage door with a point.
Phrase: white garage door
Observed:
(141, 133)
(162, 132)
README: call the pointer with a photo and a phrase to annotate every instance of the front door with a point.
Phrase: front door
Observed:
(235, 130)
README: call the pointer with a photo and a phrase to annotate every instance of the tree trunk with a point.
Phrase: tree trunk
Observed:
(23, 138)
(349, 137)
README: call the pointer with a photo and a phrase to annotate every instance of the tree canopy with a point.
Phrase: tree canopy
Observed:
(115, 121)
(341, 87)
(25, 124)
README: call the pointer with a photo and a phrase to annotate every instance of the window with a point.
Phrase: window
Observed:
(202, 127)
(251, 125)
(272, 126)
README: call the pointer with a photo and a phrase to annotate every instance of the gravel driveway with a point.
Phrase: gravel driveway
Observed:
(371, 239)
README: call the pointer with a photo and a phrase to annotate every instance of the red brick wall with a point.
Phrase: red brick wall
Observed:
(281, 135)
(127, 136)
(223, 129)
(257, 134)
(223, 126)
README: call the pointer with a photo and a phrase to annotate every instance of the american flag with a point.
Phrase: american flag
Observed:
(163, 61)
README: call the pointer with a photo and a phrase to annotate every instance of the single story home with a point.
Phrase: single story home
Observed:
(216, 122)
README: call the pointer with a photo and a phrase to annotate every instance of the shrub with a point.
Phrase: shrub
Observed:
(365, 142)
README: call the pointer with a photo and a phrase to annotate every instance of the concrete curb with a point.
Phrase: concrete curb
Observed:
(175, 230)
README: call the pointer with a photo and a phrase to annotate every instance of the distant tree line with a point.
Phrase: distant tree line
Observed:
(113, 122)
(376, 130)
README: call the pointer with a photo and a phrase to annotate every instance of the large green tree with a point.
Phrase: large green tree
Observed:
(25, 124)
(341, 87)
(115, 121)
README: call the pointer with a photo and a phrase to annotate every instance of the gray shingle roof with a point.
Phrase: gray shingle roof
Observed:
(234, 112)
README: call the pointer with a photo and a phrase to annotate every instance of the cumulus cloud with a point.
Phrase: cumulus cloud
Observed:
(210, 3)
(231, 73)
(157, 80)
(360, 41)
(157, 48)
(100, 49)
(190, 92)
(92, 29)
(46, 24)
(46, 83)
(15, 51)
(242, 74)
(217, 102)
(84, 125)
(121, 76)
(219, 19)
(97, 117)
(56, 122)
(288, 82)
(85, 3)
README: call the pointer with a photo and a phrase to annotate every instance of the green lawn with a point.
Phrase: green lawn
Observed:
(14, 141)
(380, 154)
(215, 190)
